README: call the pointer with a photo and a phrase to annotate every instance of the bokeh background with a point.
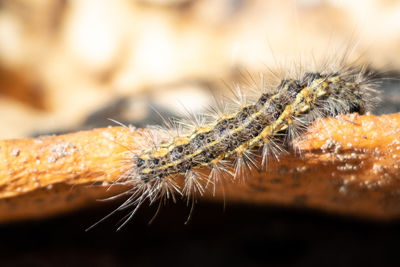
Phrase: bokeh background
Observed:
(68, 65)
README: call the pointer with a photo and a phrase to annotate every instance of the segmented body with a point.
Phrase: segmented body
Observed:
(293, 104)
(270, 123)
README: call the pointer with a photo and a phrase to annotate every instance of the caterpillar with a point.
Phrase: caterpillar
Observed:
(244, 134)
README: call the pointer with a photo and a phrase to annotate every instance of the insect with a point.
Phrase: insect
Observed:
(260, 123)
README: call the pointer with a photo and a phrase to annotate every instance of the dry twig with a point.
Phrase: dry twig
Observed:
(348, 165)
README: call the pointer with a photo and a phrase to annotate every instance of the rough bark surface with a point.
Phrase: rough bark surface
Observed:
(348, 165)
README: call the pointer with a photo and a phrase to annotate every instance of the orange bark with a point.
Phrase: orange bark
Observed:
(348, 165)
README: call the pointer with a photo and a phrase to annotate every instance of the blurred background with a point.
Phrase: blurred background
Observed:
(68, 65)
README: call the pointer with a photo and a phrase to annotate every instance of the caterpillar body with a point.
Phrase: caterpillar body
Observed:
(231, 140)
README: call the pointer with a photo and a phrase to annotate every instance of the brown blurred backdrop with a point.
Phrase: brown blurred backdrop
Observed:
(69, 65)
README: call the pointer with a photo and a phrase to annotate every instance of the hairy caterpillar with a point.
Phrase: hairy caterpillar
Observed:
(230, 140)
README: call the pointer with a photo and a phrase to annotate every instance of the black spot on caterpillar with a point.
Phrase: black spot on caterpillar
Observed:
(229, 142)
